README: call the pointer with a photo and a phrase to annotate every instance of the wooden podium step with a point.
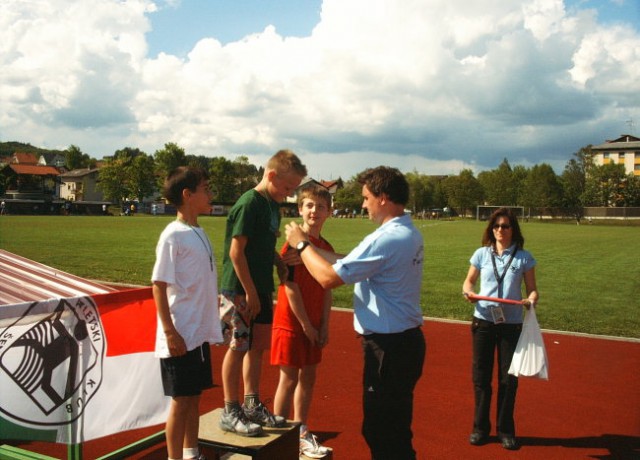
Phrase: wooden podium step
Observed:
(273, 444)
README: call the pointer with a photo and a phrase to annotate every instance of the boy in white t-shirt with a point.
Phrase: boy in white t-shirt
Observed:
(186, 295)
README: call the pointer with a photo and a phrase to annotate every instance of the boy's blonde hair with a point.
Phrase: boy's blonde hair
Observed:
(285, 161)
(316, 192)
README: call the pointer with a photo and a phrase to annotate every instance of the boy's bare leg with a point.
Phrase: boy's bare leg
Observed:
(286, 389)
(252, 364)
(254, 409)
(231, 371)
(251, 370)
(192, 425)
(175, 427)
(304, 393)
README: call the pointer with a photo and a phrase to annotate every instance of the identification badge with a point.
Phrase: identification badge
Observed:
(498, 314)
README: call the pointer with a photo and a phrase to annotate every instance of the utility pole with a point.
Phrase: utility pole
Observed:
(631, 125)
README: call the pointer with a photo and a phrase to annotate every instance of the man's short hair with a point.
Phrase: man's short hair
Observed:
(387, 180)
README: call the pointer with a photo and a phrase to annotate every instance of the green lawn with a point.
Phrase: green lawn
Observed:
(588, 275)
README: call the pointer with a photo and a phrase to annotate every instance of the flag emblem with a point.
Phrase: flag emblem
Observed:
(51, 359)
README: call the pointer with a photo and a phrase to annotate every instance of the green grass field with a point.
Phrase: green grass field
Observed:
(588, 276)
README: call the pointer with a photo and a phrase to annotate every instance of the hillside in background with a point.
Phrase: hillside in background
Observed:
(9, 148)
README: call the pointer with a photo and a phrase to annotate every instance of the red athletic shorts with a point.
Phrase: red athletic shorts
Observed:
(291, 349)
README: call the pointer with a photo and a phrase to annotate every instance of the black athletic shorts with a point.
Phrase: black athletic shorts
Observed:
(265, 316)
(189, 374)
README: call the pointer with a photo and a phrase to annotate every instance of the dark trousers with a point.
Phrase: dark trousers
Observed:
(487, 339)
(392, 366)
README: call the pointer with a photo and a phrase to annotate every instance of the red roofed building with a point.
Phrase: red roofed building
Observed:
(23, 158)
(332, 185)
(30, 181)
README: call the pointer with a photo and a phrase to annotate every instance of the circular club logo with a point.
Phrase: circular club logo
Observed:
(51, 361)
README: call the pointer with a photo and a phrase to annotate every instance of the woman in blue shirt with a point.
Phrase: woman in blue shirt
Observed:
(502, 265)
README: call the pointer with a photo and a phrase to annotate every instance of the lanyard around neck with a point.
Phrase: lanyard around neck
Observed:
(207, 247)
(500, 278)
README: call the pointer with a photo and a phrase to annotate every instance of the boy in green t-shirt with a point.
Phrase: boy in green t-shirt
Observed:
(247, 291)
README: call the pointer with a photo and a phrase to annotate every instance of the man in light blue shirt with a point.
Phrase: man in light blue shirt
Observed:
(386, 269)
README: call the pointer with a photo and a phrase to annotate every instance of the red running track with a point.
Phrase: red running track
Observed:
(589, 408)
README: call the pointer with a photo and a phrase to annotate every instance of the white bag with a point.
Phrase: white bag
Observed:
(530, 357)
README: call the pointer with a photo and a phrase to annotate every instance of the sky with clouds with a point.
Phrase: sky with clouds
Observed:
(428, 85)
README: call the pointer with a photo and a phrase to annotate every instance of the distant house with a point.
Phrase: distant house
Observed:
(80, 185)
(30, 181)
(52, 159)
(624, 150)
(23, 158)
(331, 185)
(307, 182)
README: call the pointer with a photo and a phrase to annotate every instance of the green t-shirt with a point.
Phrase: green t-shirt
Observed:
(257, 218)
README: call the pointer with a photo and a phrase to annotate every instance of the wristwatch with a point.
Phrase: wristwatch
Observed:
(301, 246)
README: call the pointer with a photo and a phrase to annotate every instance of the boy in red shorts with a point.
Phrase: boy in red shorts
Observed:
(301, 324)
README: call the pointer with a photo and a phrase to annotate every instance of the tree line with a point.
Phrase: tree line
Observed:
(131, 174)
(581, 184)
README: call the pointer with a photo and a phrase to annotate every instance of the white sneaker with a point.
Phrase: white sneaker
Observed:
(310, 447)
(236, 422)
(261, 415)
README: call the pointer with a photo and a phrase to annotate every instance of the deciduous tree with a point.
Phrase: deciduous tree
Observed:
(168, 159)
(542, 188)
(573, 181)
(464, 191)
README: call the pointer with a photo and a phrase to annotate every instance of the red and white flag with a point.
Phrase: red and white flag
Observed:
(76, 369)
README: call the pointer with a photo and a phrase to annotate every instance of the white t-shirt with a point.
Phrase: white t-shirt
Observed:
(185, 261)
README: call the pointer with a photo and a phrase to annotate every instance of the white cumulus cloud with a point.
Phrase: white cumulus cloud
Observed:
(432, 85)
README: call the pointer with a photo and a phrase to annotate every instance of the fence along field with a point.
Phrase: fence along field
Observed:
(588, 275)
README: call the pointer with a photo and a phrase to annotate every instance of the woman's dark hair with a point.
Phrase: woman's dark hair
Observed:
(387, 180)
(488, 238)
(183, 177)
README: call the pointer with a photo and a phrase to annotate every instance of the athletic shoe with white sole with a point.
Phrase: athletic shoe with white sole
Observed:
(236, 422)
(260, 414)
(310, 447)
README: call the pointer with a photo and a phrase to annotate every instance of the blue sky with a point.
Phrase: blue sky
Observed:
(610, 11)
(435, 86)
(175, 29)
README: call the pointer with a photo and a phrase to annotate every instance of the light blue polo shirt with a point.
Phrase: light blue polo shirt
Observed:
(386, 268)
(511, 285)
